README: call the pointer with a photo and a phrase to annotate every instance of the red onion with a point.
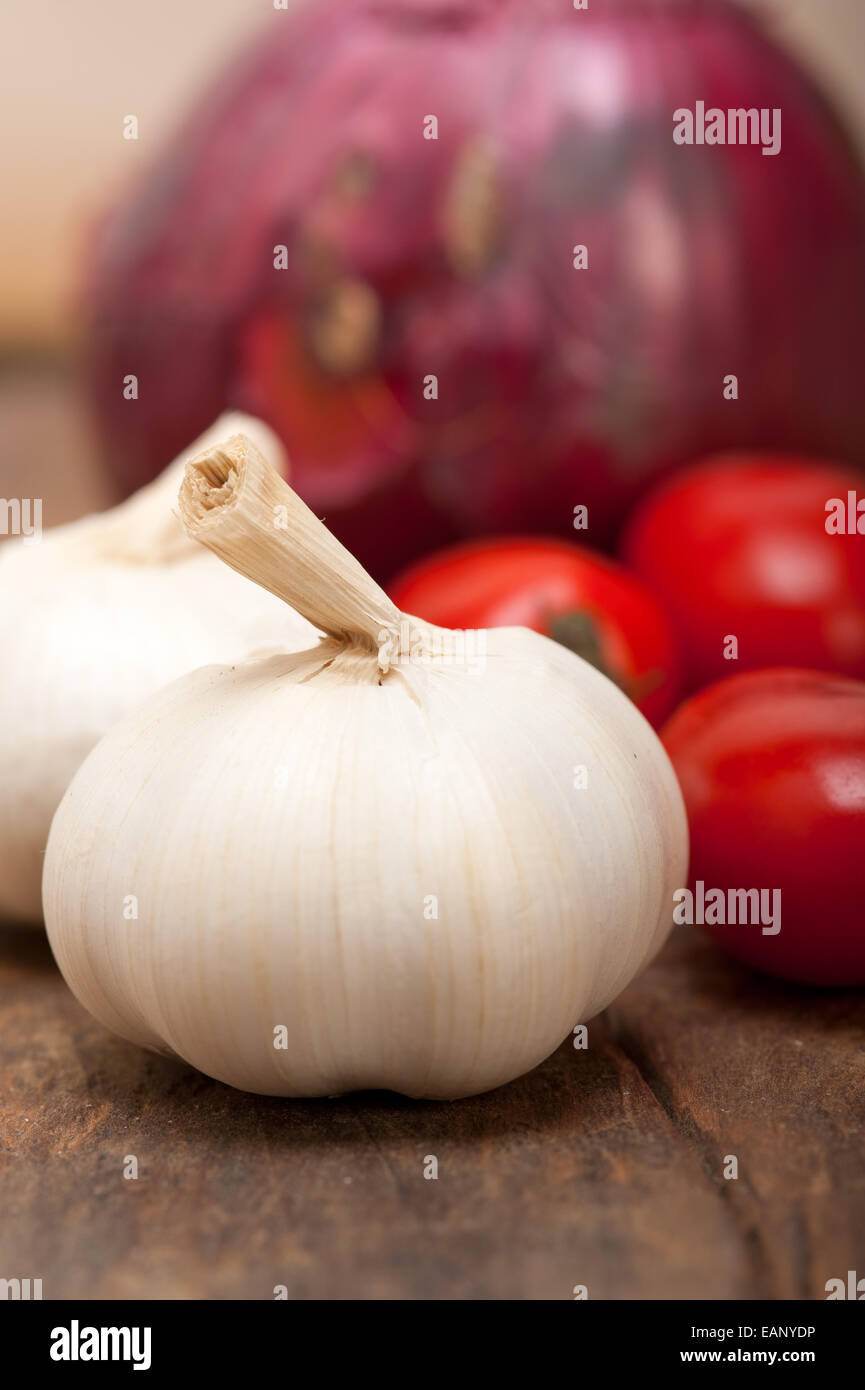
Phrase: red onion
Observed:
(409, 256)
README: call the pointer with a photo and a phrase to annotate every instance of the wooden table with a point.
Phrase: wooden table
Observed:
(602, 1168)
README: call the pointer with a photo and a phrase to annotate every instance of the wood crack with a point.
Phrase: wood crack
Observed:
(704, 1148)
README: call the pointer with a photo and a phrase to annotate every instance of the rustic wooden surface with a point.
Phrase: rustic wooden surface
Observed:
(602, 1168)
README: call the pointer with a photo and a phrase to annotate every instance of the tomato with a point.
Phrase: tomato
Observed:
(738, 547)
(572, 595)
(772, 768)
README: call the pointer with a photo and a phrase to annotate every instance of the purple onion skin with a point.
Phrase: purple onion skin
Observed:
(409, 257)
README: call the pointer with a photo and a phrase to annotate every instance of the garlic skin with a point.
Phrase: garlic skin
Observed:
(387, 859)
(93, 618)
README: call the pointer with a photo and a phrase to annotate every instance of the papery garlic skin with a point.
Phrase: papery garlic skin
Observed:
(94, 618)
(400, 869)
(549, 899)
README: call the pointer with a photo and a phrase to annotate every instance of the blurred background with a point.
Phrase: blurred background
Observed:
(71, 74)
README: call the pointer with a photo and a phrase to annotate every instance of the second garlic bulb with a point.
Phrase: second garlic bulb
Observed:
(95, 617)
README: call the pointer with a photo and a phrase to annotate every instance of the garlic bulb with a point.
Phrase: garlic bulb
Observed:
(404, 859)
(96, 616)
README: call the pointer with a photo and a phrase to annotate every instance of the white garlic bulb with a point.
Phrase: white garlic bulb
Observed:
(404, 859)
(93, 618)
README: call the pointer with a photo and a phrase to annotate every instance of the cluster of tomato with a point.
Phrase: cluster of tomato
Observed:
(747, 565)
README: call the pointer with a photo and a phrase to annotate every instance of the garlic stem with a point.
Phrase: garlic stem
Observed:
(233, 502)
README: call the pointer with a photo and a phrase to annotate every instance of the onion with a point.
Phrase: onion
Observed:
(408, 257)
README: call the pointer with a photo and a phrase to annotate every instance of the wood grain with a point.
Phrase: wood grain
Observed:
(602, 1167)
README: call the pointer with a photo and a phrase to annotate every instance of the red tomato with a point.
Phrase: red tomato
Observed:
(739, 547)
(572, 595)
(772, 768)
